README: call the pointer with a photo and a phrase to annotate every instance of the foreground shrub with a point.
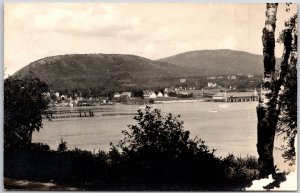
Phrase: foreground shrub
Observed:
(158, 155)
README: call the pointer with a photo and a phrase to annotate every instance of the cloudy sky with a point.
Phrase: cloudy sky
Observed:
(152, 30)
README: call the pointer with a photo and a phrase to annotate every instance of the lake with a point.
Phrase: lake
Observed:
(230, 130)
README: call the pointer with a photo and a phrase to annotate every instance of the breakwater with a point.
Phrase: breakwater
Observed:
(65, 114)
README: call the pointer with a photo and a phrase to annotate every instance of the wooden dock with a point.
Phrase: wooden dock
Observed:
(81, 114)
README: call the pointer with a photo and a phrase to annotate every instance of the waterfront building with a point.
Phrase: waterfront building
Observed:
(220, 97)
(146, 93)
(211, 84)
(152, 95)
(242, 96)
(160, 94)
(117, 95)
(236, 96)
(183, 80)
(126, 95)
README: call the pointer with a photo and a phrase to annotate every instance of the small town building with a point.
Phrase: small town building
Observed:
(209, 93)
(255, 92)
(166, 95)
(126, 95)
(236, 96)
(211, 84)
(117, 95)
(159, 94)
(147, 93)
(184, 93)
(152, 95)
(183, 80)
(80, 98)
(220, 97)
(231, 77)
(242, 96)
(211, 78)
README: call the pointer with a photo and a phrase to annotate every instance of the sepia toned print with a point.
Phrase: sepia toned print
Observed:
(150, 96)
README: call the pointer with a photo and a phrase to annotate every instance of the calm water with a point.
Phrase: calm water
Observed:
(230, 130)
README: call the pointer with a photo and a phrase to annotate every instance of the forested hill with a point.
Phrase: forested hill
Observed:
(214, 62)
(114, 71)
(99, 70)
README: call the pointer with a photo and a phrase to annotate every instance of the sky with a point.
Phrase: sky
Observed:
(153, 30)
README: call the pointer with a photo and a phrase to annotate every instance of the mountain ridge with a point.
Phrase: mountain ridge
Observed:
(116, 70)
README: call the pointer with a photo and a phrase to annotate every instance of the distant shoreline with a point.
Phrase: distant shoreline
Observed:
(179, 101)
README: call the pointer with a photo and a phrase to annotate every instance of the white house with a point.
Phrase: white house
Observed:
(57, 94)
(117, 95)
(211, 77)
(211, 84)
(160, 94)
(231, 77)
(152, 95)
(146, 94)
(166, 95)
(183, 80)
(255, 92)
(126, 94)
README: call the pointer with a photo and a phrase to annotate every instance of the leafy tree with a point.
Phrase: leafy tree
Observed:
(287, 124)
(24, 104)
(137, 93)
(53, 97)
(162, 134)
(274, 89)
(159, 147)
(62, 146)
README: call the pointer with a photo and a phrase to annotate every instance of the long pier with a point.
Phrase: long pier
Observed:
(67, 114)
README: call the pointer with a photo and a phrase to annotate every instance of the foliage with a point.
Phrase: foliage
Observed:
(162, 134)
(24, 104)
(137, 93)
(288, 119)
(287, 124)
(277, 92)
(62, 146)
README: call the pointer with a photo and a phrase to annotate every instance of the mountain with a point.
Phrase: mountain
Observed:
(215, 62)
(99, 70)
(115, 71)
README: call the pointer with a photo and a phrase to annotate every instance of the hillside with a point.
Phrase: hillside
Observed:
(113, 72)
(214, 62)
(99, 70)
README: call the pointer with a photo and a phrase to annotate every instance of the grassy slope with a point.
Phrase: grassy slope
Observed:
(214, 62)
(92, 70)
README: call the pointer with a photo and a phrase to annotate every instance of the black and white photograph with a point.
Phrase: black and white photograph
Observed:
(150, 96)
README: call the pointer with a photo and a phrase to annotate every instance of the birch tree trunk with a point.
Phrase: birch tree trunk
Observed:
(267, 119)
